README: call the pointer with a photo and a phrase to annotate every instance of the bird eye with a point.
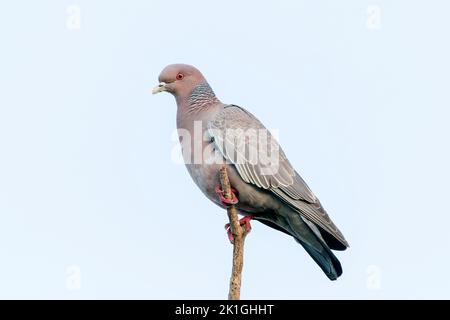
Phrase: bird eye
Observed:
(180, 76)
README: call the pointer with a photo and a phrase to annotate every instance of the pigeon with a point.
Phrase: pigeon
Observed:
(265, 186)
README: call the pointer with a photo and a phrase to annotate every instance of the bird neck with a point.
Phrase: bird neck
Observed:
(199, 104)
(202, 96)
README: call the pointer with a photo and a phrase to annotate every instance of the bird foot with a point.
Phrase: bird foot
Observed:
(225, 201)
(244, 221)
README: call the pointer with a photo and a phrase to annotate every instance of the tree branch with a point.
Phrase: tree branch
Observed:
(239, 234)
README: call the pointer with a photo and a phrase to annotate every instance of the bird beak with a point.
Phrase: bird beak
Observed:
(160, 88)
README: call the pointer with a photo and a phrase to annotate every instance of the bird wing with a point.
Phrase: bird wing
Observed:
(245, 142)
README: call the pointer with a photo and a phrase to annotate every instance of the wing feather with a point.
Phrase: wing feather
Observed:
(284, 181)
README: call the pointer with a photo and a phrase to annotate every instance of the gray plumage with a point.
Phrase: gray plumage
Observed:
(279, 198)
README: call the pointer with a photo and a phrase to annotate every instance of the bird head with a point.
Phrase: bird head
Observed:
(179, 79)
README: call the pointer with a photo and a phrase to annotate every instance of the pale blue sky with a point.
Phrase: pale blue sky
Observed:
(86, 177)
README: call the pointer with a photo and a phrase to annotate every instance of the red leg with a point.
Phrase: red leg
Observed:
(227, 202)
(244, 221)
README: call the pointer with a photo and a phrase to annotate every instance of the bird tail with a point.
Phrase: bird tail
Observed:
(308, 235)
(326, 260)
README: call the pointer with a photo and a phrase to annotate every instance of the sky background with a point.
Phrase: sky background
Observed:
(92, 205)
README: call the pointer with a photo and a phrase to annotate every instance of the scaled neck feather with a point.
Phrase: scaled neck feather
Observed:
(201, 97)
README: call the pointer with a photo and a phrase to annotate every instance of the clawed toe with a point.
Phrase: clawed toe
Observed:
(244, 221)
(225, 201)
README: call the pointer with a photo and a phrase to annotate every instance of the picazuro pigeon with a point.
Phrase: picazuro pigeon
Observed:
(265, 185)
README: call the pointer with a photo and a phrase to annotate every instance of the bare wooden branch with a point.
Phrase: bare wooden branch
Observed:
(239, 234)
